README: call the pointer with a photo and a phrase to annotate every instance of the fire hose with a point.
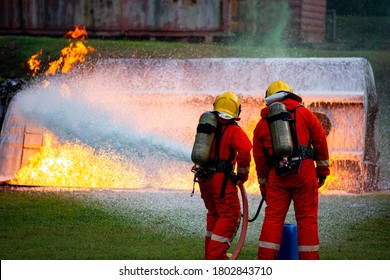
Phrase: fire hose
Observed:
(244, 226)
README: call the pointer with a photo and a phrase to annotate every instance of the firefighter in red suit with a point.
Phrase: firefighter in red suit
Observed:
(231, 146)
(302, 187)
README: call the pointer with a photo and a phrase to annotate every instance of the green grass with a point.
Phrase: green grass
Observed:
(52, 226)
(355, 227)
(15, 50)
(58, 226)
(367, 240)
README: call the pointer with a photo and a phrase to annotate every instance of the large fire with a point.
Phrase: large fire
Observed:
(78, 165)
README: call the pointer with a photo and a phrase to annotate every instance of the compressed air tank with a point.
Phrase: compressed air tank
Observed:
(204, 138)
(279, 124)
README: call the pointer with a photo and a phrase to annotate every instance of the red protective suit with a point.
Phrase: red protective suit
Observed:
(223, 213)
(302, 188)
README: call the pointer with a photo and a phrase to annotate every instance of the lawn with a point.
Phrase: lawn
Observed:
(169, 225)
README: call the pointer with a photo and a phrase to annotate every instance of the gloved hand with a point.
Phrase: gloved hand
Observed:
(243, 176)
(321, 181)
(262, 190)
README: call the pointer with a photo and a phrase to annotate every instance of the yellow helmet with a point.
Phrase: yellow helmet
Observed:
(278, 86)
(227, 105)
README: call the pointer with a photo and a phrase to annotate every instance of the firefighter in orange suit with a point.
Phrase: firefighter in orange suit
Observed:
(230, 147)
(301, 186)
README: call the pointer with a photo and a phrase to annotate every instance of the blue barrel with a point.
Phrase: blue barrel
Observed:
(289, 246)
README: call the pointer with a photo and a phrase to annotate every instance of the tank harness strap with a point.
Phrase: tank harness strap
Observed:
(293, 122)
(304, 152)
(205, 128)
(285, 116)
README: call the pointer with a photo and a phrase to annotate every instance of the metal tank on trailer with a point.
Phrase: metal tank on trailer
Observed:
(166, 97)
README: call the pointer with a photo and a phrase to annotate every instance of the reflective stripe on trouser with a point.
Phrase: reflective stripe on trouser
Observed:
(305, 252)
(308, 252)
(222, 216)
(305, 208)
(269, 245)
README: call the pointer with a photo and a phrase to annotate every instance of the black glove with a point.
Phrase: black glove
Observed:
(235, 178)
(321, 181)
(243, 177)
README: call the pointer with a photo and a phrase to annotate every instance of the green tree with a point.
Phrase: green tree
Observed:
(360, 7)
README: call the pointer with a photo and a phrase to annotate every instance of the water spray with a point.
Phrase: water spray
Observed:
(106, 107)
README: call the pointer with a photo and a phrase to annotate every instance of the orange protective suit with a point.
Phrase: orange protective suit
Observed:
(224, 212)
(302, 187)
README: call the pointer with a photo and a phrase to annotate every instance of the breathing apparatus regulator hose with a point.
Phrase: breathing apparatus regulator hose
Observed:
(258, 210)
(244, 226)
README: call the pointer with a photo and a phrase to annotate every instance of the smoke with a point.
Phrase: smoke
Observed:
(266, 24)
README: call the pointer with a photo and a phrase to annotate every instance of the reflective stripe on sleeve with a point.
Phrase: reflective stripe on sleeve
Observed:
(208, 234)
(269, 245)
(322, 162)
(243, 169)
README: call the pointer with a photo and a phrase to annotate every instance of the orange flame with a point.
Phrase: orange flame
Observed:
(34, 63)
(78, 33)
(70, 55)
(77, 165)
